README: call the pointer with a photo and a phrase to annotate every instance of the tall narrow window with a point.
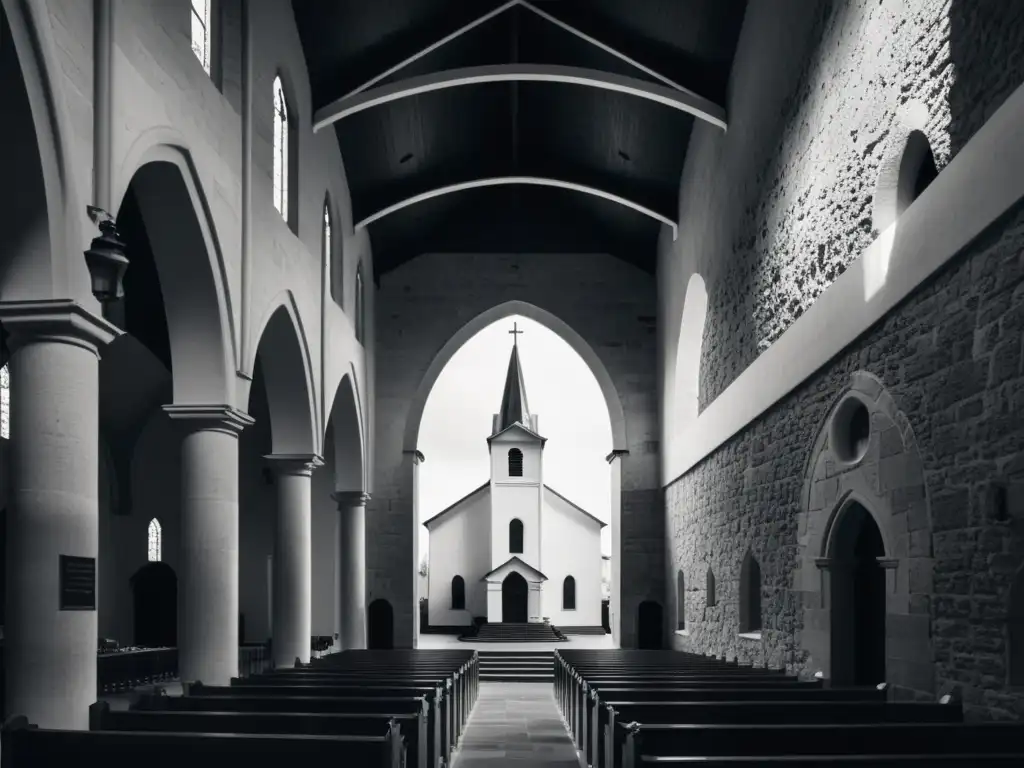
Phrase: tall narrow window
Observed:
(359, 304)
(680, 600)
(155, 541)
(750, 595)
(458, 594)
(515, 463)
(5, 402)
(280, 149)
(710, 578)
(569, 594)
(327, 244)
(201, 32)
(515, 537)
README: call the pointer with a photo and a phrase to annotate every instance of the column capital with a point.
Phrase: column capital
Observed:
(61, 321)
(417, 456)
(348, 499)
(216, 418)
(617, 453)
(294, 463)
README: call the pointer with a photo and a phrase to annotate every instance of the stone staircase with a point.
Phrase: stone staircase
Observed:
(517, 666)
(507, 632)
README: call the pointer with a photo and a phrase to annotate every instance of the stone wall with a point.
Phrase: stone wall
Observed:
(794, 200)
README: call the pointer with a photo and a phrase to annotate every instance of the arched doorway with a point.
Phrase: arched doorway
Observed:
(155, 606)
(649, 629)
(514, 596)
(857, 599)
(380, 625)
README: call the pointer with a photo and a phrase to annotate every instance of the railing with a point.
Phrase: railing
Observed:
(126, 669)
(253, 659)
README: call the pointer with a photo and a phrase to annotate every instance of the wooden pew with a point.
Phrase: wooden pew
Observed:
(411, 720)
(25, 746)
(711, 741)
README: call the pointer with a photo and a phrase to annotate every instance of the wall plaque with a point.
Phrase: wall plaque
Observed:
(77, 583)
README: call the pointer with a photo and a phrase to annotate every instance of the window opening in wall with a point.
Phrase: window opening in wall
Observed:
(680, 600)
(458, 593)
(280, 149)
(327, 242)
(201, 32)
(750, 595)
(359, 304)
(711, 599)
(569, 594)
(155, 541)
(515, 537)
(5, 402)
(850, 430)
(515, 462)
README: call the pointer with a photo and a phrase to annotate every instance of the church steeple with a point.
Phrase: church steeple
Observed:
(513, 399)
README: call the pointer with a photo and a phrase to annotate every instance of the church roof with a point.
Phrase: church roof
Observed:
(521, 427)
(458, 503)
(577, 507)
(514, 408)
(515, 562)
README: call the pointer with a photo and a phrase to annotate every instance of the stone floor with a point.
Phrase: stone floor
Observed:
(516, 725)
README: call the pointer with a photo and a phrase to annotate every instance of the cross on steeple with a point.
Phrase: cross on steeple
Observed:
(515, 334)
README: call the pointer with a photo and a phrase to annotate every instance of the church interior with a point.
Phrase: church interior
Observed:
(244, 239)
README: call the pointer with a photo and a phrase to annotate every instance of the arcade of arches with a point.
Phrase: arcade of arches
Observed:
(790, 249)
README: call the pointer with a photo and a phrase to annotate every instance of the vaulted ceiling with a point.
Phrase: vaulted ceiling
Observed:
(550, 126)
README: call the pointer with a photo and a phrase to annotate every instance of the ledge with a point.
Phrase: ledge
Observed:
(683, 632)
(749, 635)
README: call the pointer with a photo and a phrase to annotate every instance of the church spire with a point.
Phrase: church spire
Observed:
(513, 399)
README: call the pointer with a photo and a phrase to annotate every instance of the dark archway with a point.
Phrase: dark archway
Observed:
(649, 625)
(155, 606)
(380, 625)
(858, 603)
(514, 599)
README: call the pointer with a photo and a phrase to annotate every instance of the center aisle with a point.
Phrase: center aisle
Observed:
(515, 725)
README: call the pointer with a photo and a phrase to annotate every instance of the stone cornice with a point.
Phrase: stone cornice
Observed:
(219, 418)
(61, 321)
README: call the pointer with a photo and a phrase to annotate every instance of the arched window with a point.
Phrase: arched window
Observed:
(202, 32)
(515, 462)
(569, 594)
(282, 138)
(750, 595)
(515, 537)
(680, 600)
(155, 541)
(360, 307)
(458, 594)
(327, 245)
(711, 600)
(5, 402)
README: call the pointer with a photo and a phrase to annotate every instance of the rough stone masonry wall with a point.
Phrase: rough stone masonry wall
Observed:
(949, 357)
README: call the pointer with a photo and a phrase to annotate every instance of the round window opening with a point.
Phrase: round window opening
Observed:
(851, 430)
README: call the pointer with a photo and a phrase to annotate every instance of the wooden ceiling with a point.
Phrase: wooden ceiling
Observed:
(616, 144)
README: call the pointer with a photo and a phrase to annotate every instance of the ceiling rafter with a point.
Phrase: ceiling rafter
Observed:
(684, 101)
(539, 181)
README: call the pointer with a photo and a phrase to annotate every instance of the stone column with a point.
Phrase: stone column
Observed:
(208, 571)
(292, 620)
(352, 567)
(53, 511)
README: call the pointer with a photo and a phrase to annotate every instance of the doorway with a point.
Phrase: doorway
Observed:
(649, 629)
(380, 625)
(858, 603)
(514, 597)
(155, 606)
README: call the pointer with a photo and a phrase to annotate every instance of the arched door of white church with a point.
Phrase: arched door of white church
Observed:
(514, 596)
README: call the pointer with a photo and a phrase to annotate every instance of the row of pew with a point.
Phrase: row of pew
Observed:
(359, 709)
(629, 708)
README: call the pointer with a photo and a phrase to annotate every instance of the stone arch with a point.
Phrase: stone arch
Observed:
(189, 264)
(288, 375)
(888, 483)
(346, 420)
(484, 319)
(41, 220)
(909, 144)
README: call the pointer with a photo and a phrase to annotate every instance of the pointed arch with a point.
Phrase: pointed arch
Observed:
(458, 593)
(515, 536)
(345, 419)
(360, 301)
(285, 150)
(288, 375)
(750, 595)
(569, 593)
(711, 598)
(155, 541)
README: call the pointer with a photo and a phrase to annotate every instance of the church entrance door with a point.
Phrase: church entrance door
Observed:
(649, 628)
(514, 595)
(155, 604)
(380, 626)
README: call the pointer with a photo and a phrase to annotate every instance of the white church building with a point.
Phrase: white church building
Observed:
(514, 549)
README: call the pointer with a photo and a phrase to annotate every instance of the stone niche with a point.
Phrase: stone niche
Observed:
(864, 472)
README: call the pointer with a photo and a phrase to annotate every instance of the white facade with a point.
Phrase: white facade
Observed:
(473, 539)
